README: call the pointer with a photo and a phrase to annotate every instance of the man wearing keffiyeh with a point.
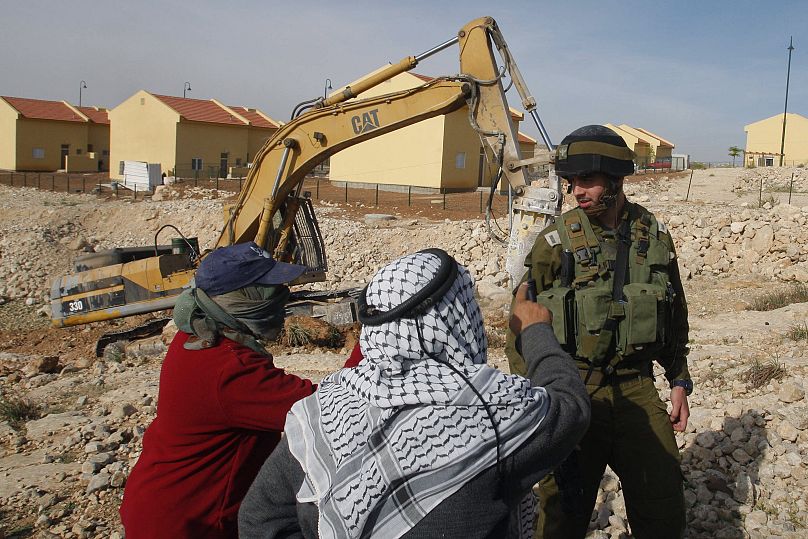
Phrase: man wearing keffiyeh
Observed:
(423, 438)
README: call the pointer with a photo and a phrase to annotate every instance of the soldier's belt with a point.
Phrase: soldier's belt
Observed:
(596, 377)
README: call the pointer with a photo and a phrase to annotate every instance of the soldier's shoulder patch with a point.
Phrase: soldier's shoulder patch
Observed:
(553, 238)
(662, 227)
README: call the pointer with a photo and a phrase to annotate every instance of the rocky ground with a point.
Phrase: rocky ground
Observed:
(745, 455)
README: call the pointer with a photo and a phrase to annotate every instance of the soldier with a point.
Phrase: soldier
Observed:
(608, 272)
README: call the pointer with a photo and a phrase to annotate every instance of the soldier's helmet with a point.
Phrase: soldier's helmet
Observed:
(591, 149)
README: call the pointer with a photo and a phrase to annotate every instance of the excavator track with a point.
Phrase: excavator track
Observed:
(335, 306)
(149, 329)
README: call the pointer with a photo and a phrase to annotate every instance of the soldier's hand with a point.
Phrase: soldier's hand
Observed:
(526, 312)
(680, 411)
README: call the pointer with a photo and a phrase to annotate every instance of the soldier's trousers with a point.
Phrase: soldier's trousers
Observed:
(630, 431)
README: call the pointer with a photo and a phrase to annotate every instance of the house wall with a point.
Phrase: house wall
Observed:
(209, 141)
(48, 135)
(409, 156)
(256, 138)
(459, 139)
(423, 154)
(86, 162)
(142, 128)
(764, 138)
(8, 136)
(98, 136)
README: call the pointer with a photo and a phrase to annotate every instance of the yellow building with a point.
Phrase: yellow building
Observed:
(188, 137)
(440, 153)
(764, 138)
(42, 135)
(648, 147)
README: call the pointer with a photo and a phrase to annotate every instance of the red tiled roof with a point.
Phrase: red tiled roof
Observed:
(422, 77)
(199, 110)
(43, 110)
(255, 118)
(96, 115)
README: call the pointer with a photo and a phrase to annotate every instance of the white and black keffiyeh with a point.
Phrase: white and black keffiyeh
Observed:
(386, 442)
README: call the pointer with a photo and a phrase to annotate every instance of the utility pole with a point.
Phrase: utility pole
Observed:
(82, 85)
(788, 77)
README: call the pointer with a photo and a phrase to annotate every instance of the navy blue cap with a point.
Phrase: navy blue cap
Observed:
(233, 267)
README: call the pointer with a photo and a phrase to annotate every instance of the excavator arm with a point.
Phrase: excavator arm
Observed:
(269, 206)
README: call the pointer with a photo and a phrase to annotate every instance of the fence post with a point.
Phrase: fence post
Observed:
(346, 191)
(239, 184)
(481, 201)
(790, 187)
(25, 179)
(690, 181)
(318, 189)
(217, 182)
(53, 182)
(444, 199)
(377, 195)
(409, 196)
(134, 193)
(38, 179)
(760, 195)
(84, 184)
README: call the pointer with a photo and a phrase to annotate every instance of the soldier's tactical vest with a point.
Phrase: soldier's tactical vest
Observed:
(635, 327)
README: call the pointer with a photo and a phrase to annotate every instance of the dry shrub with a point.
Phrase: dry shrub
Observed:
(794, 293)
(17, 411)
(798, 332)
(305, 331)
(762, 372)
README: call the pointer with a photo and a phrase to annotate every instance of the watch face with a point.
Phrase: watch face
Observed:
(686, 384)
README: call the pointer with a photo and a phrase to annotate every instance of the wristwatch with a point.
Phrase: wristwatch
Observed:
(686, 384)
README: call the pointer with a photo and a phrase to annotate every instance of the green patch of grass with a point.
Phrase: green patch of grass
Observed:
(297, 335)
(334, 338)
(795, 293)
(17, 411)
(798, 332)
(761, 373)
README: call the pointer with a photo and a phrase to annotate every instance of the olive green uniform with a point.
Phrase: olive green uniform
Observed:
(630, 428)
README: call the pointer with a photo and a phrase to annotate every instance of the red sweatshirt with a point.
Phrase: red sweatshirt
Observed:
(220, 414)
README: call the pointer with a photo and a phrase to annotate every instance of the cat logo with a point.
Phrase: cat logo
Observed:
(367, 122)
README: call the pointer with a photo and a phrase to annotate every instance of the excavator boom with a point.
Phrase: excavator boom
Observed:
(270, 208)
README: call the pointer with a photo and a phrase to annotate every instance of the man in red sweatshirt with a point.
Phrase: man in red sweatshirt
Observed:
(222, 402)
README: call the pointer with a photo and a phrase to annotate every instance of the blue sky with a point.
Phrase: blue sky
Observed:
(694, 72)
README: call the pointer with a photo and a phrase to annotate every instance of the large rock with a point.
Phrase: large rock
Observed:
(762, 242)
(791, 392)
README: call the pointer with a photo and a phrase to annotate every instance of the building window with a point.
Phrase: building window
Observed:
(89, 148)
(38, 153)
(460, 160)
(238, 161)
(105, 152)
(196, 163)
(142, 100)
(78, 151)
(120, 168)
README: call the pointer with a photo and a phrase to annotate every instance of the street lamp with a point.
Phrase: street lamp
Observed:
(186, 87)
(327, 87)
(82, 84)
(788, 76)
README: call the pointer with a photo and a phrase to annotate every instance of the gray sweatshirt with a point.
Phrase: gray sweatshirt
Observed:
(482, 506)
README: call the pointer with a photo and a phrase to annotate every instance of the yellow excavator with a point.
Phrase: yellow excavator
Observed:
(271, 210)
